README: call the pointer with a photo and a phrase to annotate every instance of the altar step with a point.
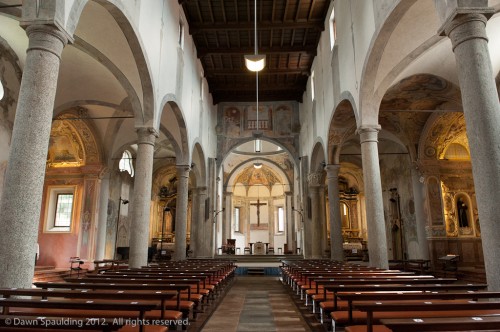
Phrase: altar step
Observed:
(53, 274)
(255, 271)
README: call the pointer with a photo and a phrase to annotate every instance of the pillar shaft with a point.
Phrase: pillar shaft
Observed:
(314, 181)
(482, 116)
(25, 174)
(337, 250)
(290, 223)
(195, 223)
(420, 221)
(377, 241)
(228, 213)
(103, 218)
(141, 202)
(181, 212)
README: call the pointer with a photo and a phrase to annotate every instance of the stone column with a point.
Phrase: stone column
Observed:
(22, 196)
(181, 212)
(103, 217)
(228, 213)
(272, 216)
(290, 223)
(466, 29)
(418, 196)
(377, 241)
(195, 223)
(336, 239)
(141, 202)
(314, 181)
(205, 230)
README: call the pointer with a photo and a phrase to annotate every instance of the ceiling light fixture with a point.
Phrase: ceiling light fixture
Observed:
(255, 62)
(257, 165)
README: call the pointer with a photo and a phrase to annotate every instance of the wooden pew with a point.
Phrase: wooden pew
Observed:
(473, 323)
(411, 296)
(120, 287)
(327, 306)
(409, 309)
(80, 308)
(185, 306)
(119, 295)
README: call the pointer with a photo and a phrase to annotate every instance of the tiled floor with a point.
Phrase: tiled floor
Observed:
(257, 304)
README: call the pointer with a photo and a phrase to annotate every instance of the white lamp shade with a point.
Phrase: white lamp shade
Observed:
(255, 62)
(257, 165)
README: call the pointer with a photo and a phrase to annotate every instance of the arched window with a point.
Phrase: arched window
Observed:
(1, 90)
(333, 29)
(126, 163)
(456, 151)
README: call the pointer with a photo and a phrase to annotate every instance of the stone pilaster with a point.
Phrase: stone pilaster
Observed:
(139, 228)
(195, 223)
(290, 222)
(418, 196)
(103, 217)
(466, 27)
(205, 231)
(336, 248)
(181, 215)
(315, 185)
(25, 174)
(228, 217)
(377, 241)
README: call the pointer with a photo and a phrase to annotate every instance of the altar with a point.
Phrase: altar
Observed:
(259, 248)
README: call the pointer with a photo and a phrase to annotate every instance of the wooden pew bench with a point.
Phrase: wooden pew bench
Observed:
(132, 287)
(473, 323)
(377, 310)
(332, 306)
(87, 310)
(320, 283)
(185, 306)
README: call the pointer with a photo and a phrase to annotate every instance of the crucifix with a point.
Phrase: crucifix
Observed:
(258, 204)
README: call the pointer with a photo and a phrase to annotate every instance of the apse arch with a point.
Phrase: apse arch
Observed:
(231, 178)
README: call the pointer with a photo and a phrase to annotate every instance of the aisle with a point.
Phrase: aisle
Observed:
(256, 303)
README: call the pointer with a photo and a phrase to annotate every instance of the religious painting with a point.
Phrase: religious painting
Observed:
(65, 149)
(283, 120)
(435, 205)
(232, 120)
(264, 118)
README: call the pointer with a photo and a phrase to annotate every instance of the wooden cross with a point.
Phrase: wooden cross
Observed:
(258, 204)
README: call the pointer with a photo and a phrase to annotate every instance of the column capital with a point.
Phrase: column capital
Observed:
(466, 24)
(332, 170)
(183, 170)
(288, 193)
(314, 179)
(38, 39)
(368, 133)
(146, 135)
(199, 190)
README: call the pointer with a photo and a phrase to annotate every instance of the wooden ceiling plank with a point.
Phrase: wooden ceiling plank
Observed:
(262, 25)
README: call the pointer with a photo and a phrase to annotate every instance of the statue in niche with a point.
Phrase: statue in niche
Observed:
(462, 208)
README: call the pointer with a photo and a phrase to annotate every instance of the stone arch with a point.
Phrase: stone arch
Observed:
(318, 157)
(342, 125)
(199, 169)
(145, 112)
(173, 125)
